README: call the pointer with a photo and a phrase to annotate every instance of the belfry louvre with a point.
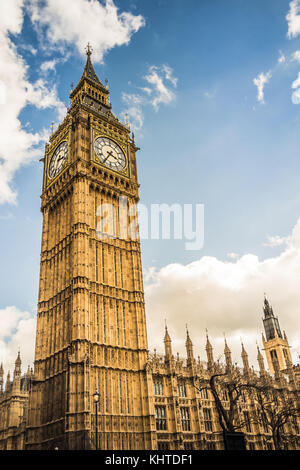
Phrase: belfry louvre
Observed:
(91, 338)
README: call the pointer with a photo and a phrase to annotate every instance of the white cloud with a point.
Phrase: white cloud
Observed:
(260, 81)
(281, 58)
(17, 146)
(225, 297)
(293, 19)
(133, 103)
(296, 56)
(276, 240)
(296, 83)
(81, 21)
(48, 65)
(28, 48)
(157, 77)
(296, 94)
(157, 92)
(17, 331)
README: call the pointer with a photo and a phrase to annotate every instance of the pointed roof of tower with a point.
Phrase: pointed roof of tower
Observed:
(18, 361)
(89, 71)
(167, 336)
(260, 359)
(188, 341)
(1, 369)
(268, 311)
(226, 349)
(244, 352)
(89, 74)
(208, 345)
(259, 354)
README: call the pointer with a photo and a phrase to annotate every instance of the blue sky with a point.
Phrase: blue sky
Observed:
(207, 137)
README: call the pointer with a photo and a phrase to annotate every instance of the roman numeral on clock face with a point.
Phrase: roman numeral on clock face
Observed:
(109, 154)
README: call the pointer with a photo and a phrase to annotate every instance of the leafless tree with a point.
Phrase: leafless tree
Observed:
(278, 410)
(229, 418)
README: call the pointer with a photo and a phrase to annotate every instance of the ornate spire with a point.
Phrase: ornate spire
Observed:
(227, 353)
(167, 336)
(260, 361)
(89, 71)
(245, 360)
(188, 341)
(268, 311)
(168, 344)
(17, 373)
(271, 323)
(189, 347)
(209, 353)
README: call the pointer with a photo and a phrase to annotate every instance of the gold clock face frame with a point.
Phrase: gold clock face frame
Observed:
(109, 153)
(58, 160)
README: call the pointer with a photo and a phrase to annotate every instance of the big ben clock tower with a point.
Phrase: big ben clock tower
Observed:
(90, 387)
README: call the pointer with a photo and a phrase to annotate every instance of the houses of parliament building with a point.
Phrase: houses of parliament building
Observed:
(94, 384)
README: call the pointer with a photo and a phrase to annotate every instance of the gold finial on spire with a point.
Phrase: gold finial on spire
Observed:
(89, 49)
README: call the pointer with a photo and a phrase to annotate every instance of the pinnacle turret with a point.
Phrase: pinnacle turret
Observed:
(261, 363)
(245, 360)
(189, 348)
(17, 374)
(227, 354)
(168, 344)
(209, 353)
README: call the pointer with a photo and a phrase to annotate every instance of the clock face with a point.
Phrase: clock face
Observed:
(58, 159)
(109, 153)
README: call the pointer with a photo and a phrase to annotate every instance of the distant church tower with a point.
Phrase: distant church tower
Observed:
(91, 328)
(275, 344)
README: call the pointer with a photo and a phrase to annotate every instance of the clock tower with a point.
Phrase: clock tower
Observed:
(91, 340)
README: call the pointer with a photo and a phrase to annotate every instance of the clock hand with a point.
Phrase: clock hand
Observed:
(110, 154)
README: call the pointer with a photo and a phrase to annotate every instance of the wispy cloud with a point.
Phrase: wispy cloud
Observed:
(281, 58)
(48, 65)
(260, 81)
(133, 104)
(161, 93)
(276, 240)
(160, 89)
